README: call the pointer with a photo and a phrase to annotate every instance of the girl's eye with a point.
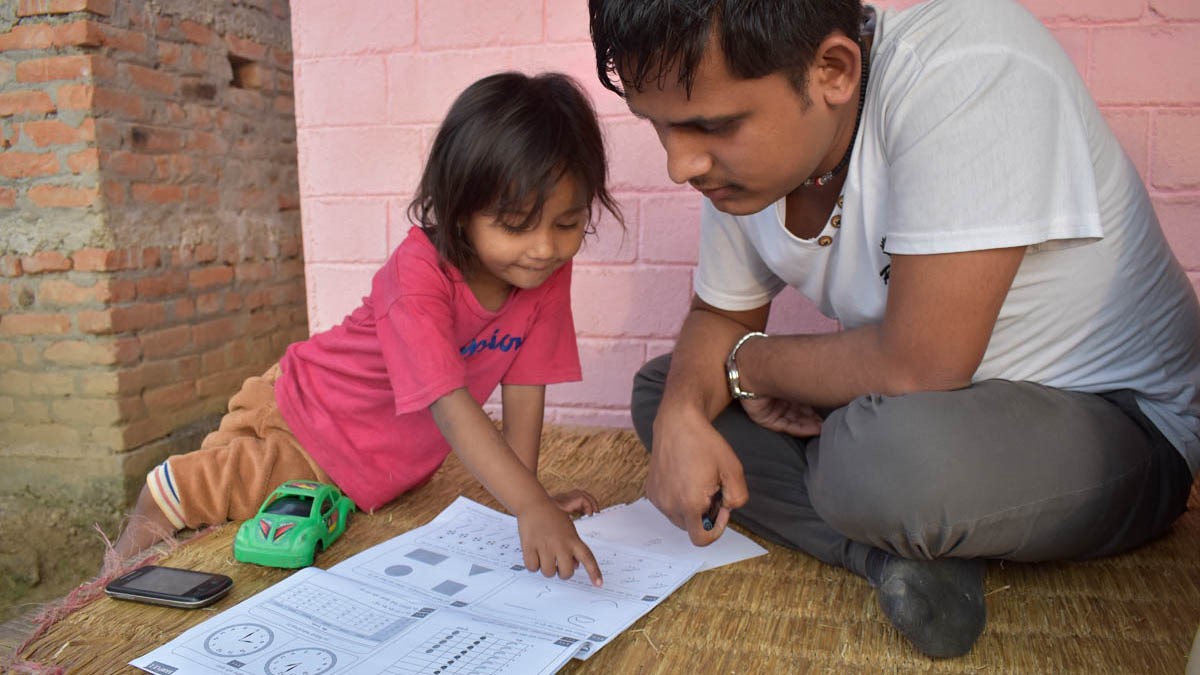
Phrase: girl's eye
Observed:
(569, 226)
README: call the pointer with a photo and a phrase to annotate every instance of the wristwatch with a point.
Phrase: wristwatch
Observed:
(731, 368)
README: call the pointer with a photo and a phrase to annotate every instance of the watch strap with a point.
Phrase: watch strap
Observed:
(732, 375)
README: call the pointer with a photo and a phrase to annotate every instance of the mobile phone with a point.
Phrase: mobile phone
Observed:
(170, 586)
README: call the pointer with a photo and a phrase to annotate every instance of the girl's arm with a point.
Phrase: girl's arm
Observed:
(548, 537)
(524, 409)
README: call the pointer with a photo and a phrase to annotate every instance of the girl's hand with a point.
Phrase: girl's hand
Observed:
(550, 543)
(577, 502)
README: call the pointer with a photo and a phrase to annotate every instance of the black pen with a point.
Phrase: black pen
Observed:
(710, 516)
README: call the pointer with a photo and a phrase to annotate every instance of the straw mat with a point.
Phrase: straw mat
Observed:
(780, 613)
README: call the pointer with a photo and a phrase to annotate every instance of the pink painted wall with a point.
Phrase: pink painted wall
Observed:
(374, 77)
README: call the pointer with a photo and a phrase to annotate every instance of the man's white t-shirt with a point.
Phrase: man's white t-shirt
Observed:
(978, 133)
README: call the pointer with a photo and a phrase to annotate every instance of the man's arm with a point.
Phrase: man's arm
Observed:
(690, 461)
(941, 311)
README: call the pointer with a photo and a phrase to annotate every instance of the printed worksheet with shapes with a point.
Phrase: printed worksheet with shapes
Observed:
(470, 556)
(314, 623)
(451, 597)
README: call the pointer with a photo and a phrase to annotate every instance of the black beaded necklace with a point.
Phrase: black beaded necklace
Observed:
(823, 179)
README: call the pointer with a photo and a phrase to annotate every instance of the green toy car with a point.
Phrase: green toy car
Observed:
(298, 519)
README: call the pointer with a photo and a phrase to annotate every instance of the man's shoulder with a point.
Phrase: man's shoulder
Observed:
(940, 26)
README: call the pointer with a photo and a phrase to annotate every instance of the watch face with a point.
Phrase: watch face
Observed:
(303, 661)
(239, 639)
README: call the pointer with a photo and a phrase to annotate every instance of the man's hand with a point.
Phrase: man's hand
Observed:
(577, 502)
(689, 463)
(550, 543)
(787, 417)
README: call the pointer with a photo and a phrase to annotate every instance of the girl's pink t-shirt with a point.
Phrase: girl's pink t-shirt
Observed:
(357, 396)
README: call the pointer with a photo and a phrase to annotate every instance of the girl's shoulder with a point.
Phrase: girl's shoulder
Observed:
(414, 268)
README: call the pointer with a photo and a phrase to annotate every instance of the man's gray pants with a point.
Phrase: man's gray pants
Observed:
(1000, 469)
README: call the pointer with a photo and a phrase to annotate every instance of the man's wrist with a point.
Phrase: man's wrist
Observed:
(733, 374)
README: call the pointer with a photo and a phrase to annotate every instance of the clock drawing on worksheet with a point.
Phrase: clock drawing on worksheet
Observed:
(302, 661)
(239, 639)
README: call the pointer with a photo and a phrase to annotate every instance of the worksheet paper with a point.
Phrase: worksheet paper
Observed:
(642, 526)
(451, 597)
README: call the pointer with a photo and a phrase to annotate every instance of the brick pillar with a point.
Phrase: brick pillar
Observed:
(149, 230)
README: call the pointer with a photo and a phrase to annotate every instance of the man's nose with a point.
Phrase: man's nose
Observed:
(687, 159)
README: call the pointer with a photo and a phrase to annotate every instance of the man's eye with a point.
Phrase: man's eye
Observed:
(719, 128)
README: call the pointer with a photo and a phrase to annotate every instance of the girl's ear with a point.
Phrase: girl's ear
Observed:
(836, 70)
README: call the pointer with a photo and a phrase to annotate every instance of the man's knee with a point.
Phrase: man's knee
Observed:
(648, 384)
(878, 472)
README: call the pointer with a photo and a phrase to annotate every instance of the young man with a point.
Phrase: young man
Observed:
(1018, 372)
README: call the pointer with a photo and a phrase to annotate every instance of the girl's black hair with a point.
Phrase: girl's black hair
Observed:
(640, 41)
(505, 143)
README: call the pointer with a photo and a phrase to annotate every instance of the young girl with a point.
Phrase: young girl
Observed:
(477, 295)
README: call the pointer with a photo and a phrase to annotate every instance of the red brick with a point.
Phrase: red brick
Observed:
(214, 332)
(151, 257)
(183, 310)
(8, 198)
(71, 67)
(121, 319)
(10, 266)
(29, 36)
(78, 34)
(45, 261)
(60, 292)
(173, 167)
(152, 193)
(210, 276)
(44, 133)
(166, 343)
(197, 33)
(25, 103)
(254, 271)
(34, 324)
(206, 196)
(155, 139)
(130, 41)
(118, 290)
(247, 49)
(204, 253)
(282, 58)
(81, 353)
(28, 164)
(170, 396)
(63, 195)
(96, 260)
(250, 75)
(76, 96)
(151, 79)
(159, 286)
(204, 143)
(115, 192)
(129, 164)
(40, 7)
(127, 105)
(84, 161)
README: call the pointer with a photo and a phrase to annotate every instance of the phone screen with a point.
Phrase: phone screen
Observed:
(166, 580)
(170, 586)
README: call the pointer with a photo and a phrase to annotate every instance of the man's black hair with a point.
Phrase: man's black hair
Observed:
(638, 42)
(503, 146)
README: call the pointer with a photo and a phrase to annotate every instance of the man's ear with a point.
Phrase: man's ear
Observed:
(836, 70)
